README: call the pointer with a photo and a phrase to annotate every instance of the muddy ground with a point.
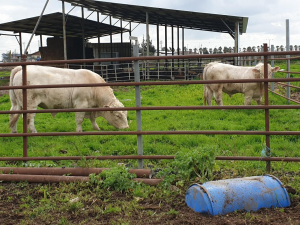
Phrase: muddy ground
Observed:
(14, 209)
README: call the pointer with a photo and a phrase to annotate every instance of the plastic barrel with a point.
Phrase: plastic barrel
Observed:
(248, 193)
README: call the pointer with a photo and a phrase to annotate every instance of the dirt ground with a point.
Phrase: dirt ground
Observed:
(148, 211)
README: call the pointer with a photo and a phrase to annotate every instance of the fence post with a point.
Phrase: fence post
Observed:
(158, 69)
(288, 66)
(272, 64)
(25, 138)
(138, 102)
(267, 114)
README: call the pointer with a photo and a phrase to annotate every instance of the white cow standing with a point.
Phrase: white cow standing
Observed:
(64, 98)
(220, 71)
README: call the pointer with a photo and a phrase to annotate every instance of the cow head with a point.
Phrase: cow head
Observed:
(258, 70)
(118, 119)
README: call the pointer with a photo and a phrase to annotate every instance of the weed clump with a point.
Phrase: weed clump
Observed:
(190, 165)
(117, 179)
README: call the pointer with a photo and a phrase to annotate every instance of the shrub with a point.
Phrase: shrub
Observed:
(117, 178)
(190, 164)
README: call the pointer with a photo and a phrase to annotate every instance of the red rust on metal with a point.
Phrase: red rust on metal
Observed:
(42, 178)
(267, 111)
(288, 85)
(204, 132)
(150, 83)
(155, 108)
(292, 100)
(58, 179)
(86, 157)
(152, 182)
(242, 158)
(141, 173)
(143, 58)
(24, 92)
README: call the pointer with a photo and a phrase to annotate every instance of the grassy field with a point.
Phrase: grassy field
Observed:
(183, 146)
(177, 95)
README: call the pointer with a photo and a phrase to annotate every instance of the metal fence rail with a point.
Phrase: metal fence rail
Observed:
(139, 132)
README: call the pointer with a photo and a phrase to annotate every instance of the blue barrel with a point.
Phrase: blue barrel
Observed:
(248, 193)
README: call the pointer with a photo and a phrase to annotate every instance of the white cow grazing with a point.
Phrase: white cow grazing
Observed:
(219, 71)
(63, 98)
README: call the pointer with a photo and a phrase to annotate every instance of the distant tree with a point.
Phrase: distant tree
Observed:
(143, 47)
(171, 49)
(205, 51)
(220, 50)
(226, 50)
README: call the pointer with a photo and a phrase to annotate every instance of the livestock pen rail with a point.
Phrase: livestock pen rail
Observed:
(267, 133)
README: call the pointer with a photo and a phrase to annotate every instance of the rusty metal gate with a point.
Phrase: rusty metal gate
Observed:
(267, 133)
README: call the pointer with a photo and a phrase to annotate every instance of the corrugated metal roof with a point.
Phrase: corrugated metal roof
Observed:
(169, 17)
(51, 24)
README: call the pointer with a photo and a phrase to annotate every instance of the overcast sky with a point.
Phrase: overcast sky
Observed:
(267, 21)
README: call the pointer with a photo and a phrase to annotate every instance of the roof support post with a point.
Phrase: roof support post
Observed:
(83, 34)
(182, 41)
(172, 66)
(121, 25)
(98, 26)
(172, 40)
(20, 36)
(237, 42)
(147, 39)
(41, 40)
(64, 30)
(178, 52)
(166, 39)
(157, 38)
(110, 31)
(182, 46)
(147, 32)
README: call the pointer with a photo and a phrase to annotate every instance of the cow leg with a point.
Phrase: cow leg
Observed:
(259, 101)
(219, 97)
(13, 118)
(94, 123)
(30, 122)
(248, 97)
(79, 116)
(209, 95)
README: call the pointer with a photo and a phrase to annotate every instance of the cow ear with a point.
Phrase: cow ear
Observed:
(256, 73)
(275, 69)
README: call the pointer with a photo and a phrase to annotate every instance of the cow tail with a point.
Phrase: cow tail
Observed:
(205, 88)
(13, 73)
(13, 97)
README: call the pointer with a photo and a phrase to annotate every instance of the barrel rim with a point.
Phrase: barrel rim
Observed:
(208, 195)
(282, 186)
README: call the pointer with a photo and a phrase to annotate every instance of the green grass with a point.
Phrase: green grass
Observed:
(175, 95)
